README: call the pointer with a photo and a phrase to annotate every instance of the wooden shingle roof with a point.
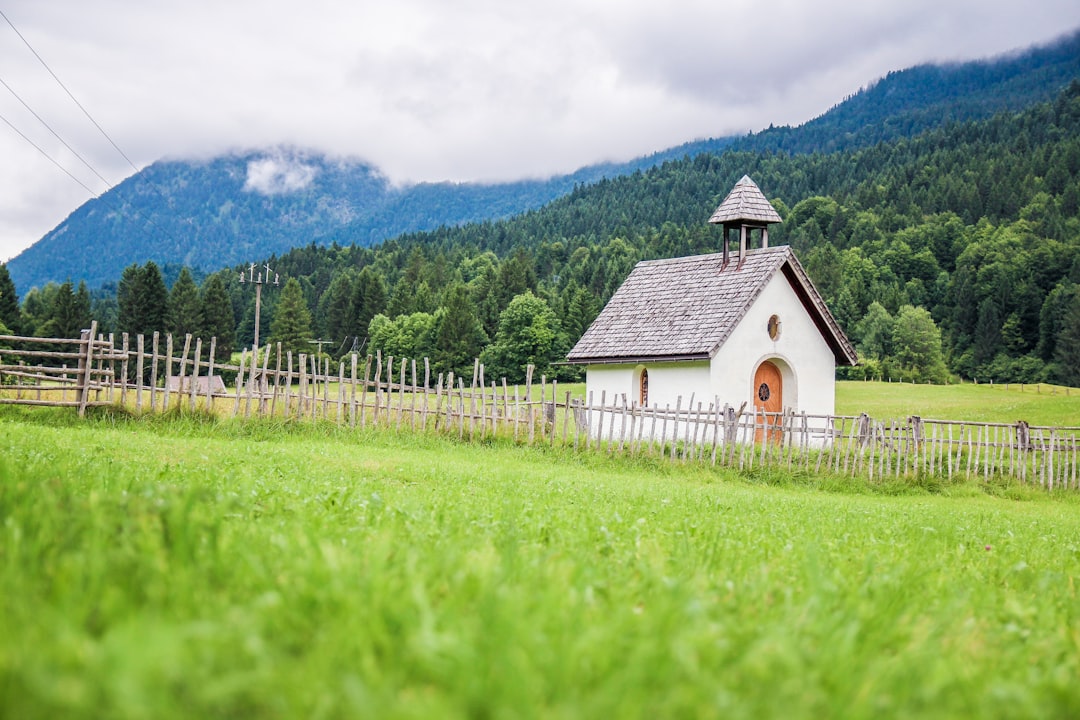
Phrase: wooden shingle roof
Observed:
(685, 308)
(745, 203)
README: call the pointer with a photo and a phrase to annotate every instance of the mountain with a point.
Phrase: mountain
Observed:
(231, 209)
(964, 239)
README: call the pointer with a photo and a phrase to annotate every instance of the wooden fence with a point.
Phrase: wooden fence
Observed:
(156, 375)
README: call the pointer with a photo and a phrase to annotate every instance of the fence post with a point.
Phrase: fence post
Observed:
(86, 352)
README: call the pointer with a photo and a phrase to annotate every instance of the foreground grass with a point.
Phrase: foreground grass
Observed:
(178, 568)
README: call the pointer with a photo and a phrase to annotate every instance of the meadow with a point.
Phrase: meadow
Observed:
(188, 566)
(1047, 405)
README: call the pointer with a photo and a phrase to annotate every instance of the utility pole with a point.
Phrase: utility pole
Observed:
(320, 343)
(255, 379)
(258, 281)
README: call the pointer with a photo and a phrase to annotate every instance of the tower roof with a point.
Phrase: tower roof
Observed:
(745, 203)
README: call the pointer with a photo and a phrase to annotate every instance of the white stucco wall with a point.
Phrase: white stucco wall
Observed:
(668, 382)
(806, 362)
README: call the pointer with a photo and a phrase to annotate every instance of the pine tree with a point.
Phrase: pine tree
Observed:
(291, 325)
(403, 299)
(128, 313)
(581, 309)
(460, 337)
(1067, 351)
(70, 312)
(217, 317)
(10, 314)
(516, 276)
(142, 300)
(185, 309)
(368, 300)
(987, 340)
(1052, 318)
(155, 297)
(334, 320)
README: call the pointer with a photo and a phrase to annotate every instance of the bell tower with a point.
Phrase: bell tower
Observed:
(745, 208)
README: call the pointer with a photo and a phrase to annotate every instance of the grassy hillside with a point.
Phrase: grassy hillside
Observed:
(176, 569)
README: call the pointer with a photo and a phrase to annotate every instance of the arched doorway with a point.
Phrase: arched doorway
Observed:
(768, 401)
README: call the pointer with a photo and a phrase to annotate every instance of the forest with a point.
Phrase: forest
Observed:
(953, 253)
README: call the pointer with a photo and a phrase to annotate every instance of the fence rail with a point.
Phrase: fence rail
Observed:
(366, 391)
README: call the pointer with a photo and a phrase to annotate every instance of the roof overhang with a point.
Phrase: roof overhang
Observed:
(637, 360)
(815, 307)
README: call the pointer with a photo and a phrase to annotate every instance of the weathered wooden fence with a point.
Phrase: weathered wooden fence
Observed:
(156, 375)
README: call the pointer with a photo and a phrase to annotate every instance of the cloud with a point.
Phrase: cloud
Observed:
(278, 175)
(435, 90)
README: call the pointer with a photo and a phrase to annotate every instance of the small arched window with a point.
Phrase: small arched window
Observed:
(643, 388)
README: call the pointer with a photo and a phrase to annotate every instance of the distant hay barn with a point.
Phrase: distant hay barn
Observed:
(730, 327)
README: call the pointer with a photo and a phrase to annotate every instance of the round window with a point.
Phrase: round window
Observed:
(763, 392)
(774, 327)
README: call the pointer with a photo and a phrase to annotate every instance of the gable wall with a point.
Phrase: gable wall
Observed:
(805, 359)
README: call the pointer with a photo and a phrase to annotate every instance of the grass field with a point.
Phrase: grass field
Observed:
(187, 568)
(1038, 405)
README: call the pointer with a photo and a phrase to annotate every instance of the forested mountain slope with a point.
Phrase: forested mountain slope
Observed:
(230, 209)
(974, 224)
(960, 245)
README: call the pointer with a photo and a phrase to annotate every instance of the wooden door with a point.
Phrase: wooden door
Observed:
(768, 399)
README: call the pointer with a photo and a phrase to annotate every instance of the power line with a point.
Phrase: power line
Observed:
(92, 169)
(69, 94)
(49, 157)
(147, 218)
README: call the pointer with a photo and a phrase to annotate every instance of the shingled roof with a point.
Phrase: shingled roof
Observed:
(745, 203)
(685, 308)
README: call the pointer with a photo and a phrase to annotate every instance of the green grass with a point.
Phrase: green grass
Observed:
(1038, 405)
(182, 567)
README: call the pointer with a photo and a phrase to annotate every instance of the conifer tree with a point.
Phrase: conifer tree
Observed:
(70, 312)
(334, 320)
(987, 341)
(142, 300)
(460, 337)
(184, 310)
(10, 314)
(291, 325)
(582, 308)
(1067, 352)
(217, 317)
(368, 300)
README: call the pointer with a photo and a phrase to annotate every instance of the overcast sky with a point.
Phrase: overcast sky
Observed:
(444, 89)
